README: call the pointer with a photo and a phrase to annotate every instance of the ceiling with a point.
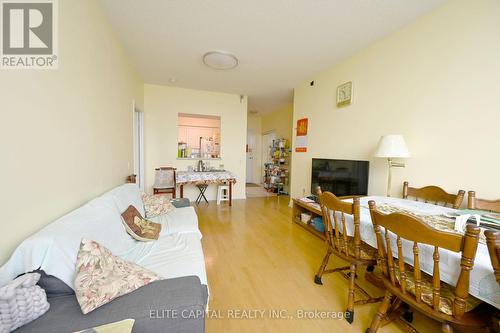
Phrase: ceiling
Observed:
(279, 43)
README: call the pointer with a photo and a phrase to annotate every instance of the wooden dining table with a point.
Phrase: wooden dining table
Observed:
(483, 284)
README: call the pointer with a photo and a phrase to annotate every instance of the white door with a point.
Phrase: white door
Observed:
(267, 141)
(139, 147)
(250, 152)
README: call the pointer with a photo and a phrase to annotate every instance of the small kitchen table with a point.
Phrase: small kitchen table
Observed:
(204, 178)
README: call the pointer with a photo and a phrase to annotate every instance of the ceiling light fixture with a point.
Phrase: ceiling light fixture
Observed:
(220, 60)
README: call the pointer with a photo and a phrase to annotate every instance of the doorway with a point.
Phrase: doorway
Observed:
(139, 147)
(250, 156)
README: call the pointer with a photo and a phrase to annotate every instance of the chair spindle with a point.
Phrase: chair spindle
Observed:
(436, 280)
(417, 273)
(401, 262)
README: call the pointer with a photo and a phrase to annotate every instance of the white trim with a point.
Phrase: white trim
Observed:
(138, 130)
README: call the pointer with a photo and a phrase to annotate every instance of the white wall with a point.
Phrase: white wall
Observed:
(65, 134)
(162, 106)
(437, 82)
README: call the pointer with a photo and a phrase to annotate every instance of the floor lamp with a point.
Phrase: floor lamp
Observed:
(392, 146)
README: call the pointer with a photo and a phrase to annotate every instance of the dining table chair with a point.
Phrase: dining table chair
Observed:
(492, 236)
(433, 194)
(482, 204)
(405, 236)
(165, 181)
(348, 248)
(493, 243)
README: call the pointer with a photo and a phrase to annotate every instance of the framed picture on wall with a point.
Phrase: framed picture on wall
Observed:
(344, 94)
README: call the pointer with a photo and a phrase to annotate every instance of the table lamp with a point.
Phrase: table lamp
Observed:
(392, 146)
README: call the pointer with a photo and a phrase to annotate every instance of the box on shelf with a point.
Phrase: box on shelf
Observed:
(305, 217)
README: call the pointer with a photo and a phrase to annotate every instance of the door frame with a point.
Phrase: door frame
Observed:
(138, 132)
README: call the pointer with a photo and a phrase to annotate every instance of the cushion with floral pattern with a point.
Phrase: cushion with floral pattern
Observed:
(155, 205)
(101, 277)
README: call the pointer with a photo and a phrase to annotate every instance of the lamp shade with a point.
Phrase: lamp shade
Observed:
(392, 146)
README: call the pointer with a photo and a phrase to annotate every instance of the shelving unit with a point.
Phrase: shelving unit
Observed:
(300, 207)
(276, 177)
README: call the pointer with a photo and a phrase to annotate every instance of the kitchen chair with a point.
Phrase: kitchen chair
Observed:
(409, 286)
(493, 242)
(348, 248)
(482, 204)
(433, 194)
(492, 237)
(165, 181)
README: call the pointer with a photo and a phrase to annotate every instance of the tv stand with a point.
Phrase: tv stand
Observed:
(313, 209)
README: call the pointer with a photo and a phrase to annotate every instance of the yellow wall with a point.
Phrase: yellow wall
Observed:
(162, 106)
(437, 82)
(65, 134)
(279, 121)
(254, 123)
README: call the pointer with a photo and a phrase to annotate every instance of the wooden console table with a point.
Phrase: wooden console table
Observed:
(300, 207)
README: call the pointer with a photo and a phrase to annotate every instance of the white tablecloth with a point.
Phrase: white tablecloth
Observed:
(483, 284)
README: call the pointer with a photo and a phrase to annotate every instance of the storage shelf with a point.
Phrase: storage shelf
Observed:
(300, 207)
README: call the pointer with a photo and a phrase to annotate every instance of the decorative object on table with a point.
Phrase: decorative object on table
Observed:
(123, 326)
(344, 94)
(392, 146)
(433, 194)
(350, 249)
(21, 301)
(132, 179)
(482, 204)
(155, 205)
(493, 242)
(101, 276)
(165, 181)
(426, 293)
(138, 227)
(301, 137)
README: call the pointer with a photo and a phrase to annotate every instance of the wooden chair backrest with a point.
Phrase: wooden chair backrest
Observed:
(493, 241)
(165, 176)
(433, 194)
(333, 207)
(408, 227)
(482, 204)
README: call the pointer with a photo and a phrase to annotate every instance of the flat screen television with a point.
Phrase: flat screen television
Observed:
(341, 177)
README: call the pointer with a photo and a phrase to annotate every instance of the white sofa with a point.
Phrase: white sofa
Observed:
(177, 253)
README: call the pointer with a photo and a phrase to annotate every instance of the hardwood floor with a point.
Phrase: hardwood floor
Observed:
(258, 261)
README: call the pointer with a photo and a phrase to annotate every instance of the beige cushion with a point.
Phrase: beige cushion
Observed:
(101, 277)
(138, 227)
(156, 205)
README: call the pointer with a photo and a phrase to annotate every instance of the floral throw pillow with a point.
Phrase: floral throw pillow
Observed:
(155, 205)
(101, 277)
(138, 227)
